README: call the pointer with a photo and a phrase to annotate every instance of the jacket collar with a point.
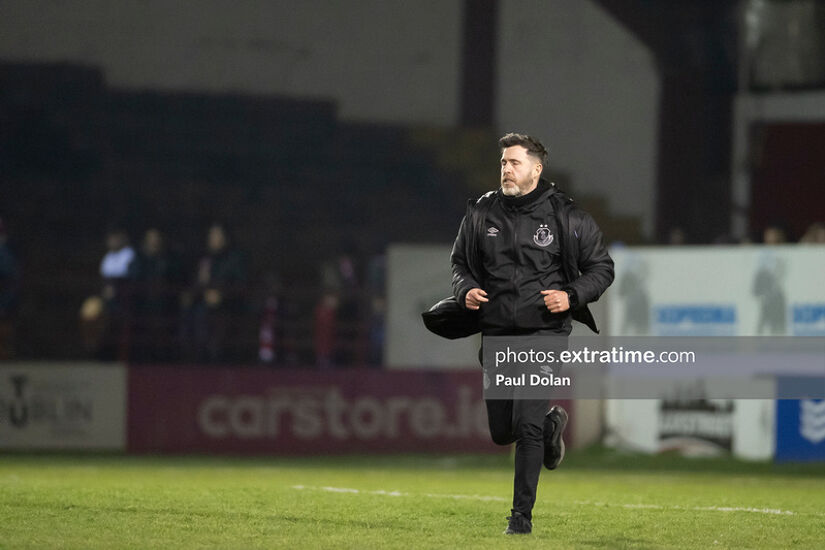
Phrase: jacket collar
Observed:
(543, 190)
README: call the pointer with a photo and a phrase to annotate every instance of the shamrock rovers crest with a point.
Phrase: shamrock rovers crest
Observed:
(543, 237)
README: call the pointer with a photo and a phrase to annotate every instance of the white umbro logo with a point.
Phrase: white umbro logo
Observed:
(492, 232)
(812, 420)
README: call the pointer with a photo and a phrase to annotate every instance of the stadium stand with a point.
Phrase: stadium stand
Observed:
(178, 161)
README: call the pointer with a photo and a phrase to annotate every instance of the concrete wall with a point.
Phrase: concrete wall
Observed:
(566, 70)
(385, 60)
(573, 76)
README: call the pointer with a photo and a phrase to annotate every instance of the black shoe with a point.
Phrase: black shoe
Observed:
(519, 525)
(554, 423)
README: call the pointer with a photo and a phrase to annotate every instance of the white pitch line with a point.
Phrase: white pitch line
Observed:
(768, 511)
(398, 493)
(339, 490)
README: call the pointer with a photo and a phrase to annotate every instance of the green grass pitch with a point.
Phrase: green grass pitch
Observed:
(597, 499)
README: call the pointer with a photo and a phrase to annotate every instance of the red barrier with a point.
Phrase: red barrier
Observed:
(254, 411)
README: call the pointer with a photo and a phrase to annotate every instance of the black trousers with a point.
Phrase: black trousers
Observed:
(522, 421)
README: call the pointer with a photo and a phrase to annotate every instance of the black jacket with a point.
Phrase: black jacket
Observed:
(585, 266)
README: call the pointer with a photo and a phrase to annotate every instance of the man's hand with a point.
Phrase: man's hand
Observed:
(475, 298)
(556, 300)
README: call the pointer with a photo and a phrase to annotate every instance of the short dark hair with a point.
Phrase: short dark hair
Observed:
(534, 147)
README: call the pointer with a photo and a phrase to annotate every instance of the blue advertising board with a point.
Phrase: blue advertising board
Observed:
(800, 427)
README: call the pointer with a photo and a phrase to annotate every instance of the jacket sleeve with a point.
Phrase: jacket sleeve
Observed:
(594, 263)
(463, 280)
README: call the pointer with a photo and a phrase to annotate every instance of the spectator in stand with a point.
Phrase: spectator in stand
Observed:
(156, 282)
(116, 271)
(774, 234)
(325, 330)
(270, 332)
(350, 343)
(9, 293)
(351, 337)
(815, 234)
(376, 275)
(376, 331)
(115, 268)
(213, 305)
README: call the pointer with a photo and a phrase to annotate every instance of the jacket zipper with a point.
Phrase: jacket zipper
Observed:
(517, 250)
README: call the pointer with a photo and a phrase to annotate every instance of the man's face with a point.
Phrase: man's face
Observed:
(115, 241)
(519, 171)
(216, 239)
(152, 242)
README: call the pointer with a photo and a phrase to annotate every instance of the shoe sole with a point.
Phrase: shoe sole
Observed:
(557, 439)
